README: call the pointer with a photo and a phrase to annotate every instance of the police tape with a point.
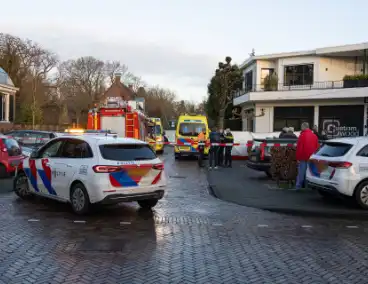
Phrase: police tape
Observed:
(247, 144)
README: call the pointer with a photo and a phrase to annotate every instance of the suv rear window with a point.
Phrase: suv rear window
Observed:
(12, 147)
(127, 152)
(332, 149)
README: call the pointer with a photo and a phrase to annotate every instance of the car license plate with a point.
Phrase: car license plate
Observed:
(253, 158)
(185, 148)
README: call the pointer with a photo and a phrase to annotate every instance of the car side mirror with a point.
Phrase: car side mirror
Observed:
(34, 154)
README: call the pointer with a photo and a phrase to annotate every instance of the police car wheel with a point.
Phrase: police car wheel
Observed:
(79, 199)
(147, 203)
(21, 187)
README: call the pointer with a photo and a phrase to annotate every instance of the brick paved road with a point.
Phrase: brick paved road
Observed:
(190, 238)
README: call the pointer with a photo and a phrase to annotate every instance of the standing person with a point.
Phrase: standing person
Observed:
(221, 149)
(229, 138)
(214, 138)
(315, 131)
(283, 132)
(201, 140)
(306, 145)
(324, 135)
(290, 133)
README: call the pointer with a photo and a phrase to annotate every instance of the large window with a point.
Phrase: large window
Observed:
(295, 75)
(264, 73)
(249, 81)
(292, 117)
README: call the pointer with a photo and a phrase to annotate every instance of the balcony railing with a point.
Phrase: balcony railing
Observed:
(280, 87)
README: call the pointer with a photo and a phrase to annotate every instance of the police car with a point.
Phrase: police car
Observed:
(84, 170)
(340, 167)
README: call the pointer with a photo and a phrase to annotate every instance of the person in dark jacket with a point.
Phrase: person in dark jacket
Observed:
(221, 149)
(213, 154)
(229, 138)
(290, 133)
(283, 132)
(324, 135)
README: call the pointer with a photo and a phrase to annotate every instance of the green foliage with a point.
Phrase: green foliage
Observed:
(355, 77)
(227, 80)
(271, 82)
(25, 116)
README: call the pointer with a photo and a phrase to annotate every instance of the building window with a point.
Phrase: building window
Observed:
(249, 81)
(264, 73)
(298, 75)
(292, 117)
(342, 121)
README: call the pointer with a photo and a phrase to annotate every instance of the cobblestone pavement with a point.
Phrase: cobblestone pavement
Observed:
(190, 237)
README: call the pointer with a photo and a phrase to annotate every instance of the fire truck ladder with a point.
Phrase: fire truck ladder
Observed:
(131, 125)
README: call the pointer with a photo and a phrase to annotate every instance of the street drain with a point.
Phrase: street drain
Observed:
(177, 177)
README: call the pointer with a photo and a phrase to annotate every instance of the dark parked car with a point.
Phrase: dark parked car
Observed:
(32, 138)
(260, 160)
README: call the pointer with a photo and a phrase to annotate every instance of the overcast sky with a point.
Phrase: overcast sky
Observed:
(177, 44)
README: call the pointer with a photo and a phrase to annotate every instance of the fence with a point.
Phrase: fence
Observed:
(42, 127)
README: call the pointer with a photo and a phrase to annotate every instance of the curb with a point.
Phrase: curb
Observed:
(356, 214)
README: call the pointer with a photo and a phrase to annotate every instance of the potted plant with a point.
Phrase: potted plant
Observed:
(355, 81)
(270, 82)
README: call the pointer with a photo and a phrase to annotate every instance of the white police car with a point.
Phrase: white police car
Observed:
(340, 166)
(85, 170)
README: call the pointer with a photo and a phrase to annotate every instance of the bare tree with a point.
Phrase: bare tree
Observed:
(113, 67)
(43, 61)
(82, 82)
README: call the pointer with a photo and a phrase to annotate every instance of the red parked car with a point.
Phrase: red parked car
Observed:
(10, 155)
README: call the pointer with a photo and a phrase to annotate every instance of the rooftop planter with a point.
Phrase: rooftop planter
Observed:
(355, 81)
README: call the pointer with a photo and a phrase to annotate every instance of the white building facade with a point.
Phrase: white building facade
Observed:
(307, 86)
(7, 100)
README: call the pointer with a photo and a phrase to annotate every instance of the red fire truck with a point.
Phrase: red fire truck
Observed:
(123, 118)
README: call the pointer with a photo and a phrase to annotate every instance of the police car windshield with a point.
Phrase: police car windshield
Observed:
(127, 152)
(334, 149)
(191, 129)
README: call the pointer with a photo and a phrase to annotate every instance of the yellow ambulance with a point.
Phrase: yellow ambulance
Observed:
(158, 134)
(187, 130)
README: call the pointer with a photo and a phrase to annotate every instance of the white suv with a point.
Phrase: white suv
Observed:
(85, 170)
(341, 166)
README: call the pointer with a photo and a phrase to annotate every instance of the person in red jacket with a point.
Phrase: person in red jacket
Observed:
(306, 146)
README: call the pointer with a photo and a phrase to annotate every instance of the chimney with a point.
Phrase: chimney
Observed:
(117, 78)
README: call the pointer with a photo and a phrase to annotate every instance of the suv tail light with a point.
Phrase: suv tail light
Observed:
(106, 169)
(344, 165)
(158, 166)
(4, 150)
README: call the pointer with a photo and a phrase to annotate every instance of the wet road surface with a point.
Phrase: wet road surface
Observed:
(190, 237)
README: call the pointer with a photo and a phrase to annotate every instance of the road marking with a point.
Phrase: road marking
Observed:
(307, 226)
(217, 224)
(125, 223)
(262, 226)
(352, 227)
(33, 220)
(79, 222)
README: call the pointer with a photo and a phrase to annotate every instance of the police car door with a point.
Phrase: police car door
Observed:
(43, 166)
(70, 161)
